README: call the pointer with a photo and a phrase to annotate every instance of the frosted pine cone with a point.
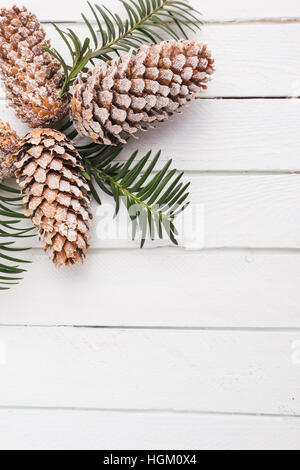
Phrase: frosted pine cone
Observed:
(32, 77)
(133, 92)
(8, 145)
(56, 197)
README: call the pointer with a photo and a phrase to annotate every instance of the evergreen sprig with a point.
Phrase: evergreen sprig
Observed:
(153, 201)
(10, 217)
(147, 21)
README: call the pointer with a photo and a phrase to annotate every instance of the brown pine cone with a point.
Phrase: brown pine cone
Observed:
(8, 144)
(32, 77)
(56, 199)
(133, 92)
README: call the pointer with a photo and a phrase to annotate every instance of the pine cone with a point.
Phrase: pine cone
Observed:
(8, 145)
(56, 200)
(133, 92)
(32, 77)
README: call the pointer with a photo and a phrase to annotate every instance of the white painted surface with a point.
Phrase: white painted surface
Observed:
(139, 430)
(244, 287)
(227, 211)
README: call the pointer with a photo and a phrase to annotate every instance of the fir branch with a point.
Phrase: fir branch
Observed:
(152, 201)
(147, 21)
(10, 233)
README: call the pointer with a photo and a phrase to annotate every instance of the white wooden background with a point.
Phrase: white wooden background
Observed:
(177, 348)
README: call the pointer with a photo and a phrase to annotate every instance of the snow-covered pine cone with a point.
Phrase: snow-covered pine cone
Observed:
(56, 199)
(133, 92)
(8, 144)
(32, 77)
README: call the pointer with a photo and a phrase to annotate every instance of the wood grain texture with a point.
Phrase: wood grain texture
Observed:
(220, 135)
(230, 135)
(211, 9)
(252, 60)
(134, 369)
(73, 430)
(178, 289)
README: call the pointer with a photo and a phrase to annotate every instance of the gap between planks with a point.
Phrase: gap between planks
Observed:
(237, 21)
(159, 328)
(157, 250)
(153, 411)
(231, 22)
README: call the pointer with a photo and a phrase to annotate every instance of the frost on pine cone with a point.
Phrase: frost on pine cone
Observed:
(133, 92)
(56, 199)
(8, 145)
(32, 77)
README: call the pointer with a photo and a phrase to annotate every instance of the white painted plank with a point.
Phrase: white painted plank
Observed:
(160, 288)
(226, 211)
(230, 135)
(234, 135)
(73, 430)
(249, 58)
(211, 9)
(136, 369)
